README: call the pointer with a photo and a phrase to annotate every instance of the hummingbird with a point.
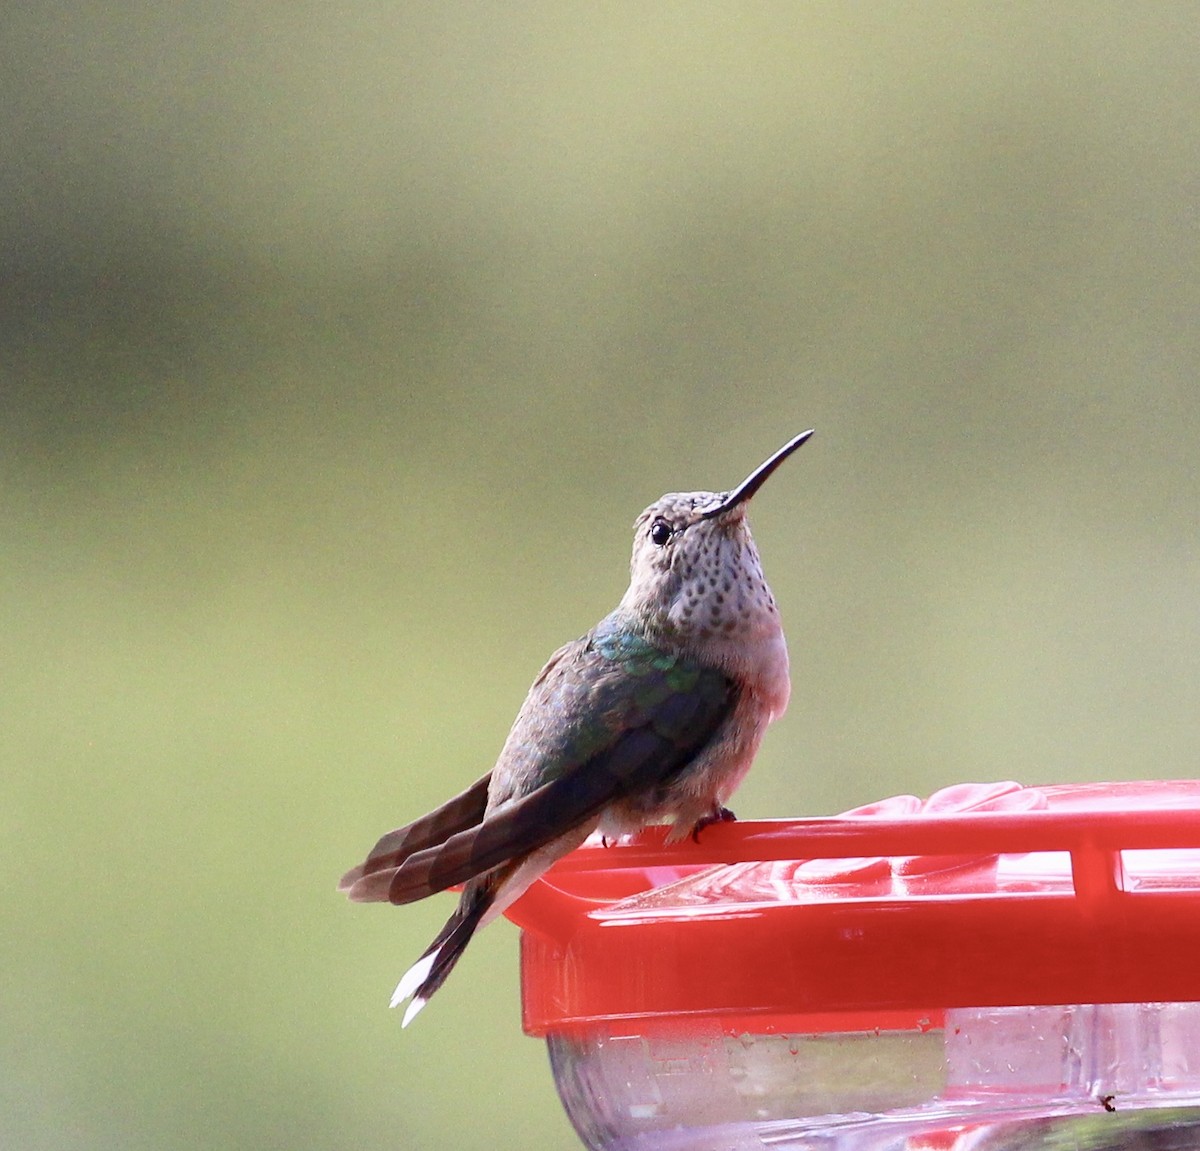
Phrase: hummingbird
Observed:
(654, 716)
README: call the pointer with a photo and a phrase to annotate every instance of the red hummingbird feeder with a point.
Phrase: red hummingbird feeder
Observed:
(995, 965)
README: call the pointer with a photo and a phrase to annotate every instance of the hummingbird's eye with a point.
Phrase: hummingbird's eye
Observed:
(660, 532)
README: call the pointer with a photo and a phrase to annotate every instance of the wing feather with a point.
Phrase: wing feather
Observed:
(454, 816)
(659, 739)
(609, 716)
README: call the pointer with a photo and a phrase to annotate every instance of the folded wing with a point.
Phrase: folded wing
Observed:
(455, 815)
(610, 717)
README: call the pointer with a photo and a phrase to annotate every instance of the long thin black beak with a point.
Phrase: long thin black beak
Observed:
(756, 478)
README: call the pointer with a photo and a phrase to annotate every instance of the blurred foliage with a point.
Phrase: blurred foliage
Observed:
(339, 346)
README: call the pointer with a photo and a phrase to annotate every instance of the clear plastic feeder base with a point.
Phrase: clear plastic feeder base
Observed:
(1085, 1076)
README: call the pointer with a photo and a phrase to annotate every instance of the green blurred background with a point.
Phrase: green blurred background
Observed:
(342, 344)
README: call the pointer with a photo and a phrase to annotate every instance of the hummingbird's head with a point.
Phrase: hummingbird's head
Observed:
(695, 573)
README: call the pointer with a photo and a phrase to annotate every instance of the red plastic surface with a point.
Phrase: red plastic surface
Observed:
(984, 895)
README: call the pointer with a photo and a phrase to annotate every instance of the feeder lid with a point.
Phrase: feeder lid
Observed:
(982, 895)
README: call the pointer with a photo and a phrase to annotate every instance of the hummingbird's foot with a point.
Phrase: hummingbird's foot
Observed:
(717, 815)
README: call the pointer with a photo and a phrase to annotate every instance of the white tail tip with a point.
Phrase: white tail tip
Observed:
(413, 1010)
(413, 978)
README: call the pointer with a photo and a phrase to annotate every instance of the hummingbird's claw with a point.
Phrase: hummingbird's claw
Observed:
(717, 815)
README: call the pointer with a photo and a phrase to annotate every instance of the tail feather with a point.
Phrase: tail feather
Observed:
(429, 972)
